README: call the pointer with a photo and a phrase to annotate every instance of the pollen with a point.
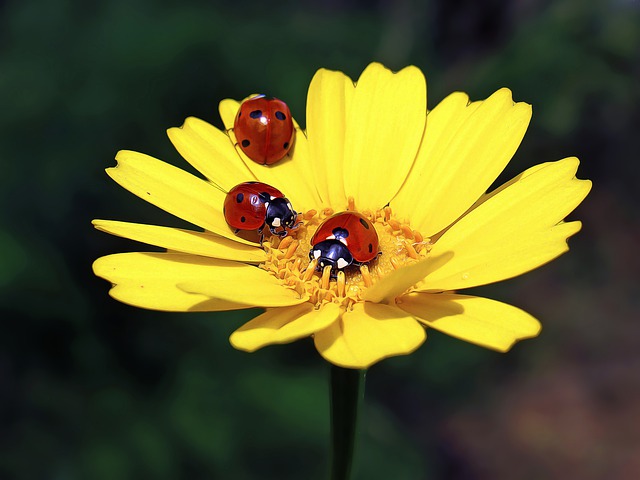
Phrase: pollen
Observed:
(288, 257)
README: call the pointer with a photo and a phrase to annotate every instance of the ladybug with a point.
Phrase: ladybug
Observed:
(344, 239)
(254, 205)
(264, 129)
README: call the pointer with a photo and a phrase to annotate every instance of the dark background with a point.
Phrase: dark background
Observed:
(93, 389)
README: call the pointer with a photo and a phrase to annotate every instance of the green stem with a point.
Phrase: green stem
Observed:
(347, 392)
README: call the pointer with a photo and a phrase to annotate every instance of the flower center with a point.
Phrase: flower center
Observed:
(288, 257)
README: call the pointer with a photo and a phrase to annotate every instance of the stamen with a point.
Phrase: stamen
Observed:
(350, 303)
(351, 204)
(368, 214)
(406, 231)
(311, 268)
(366, 277)
(410, 250)
(326, 276)
(292, 248)
(417, 236)
(285, 242)
(395, 225)
(296, 265)
(308, 215)
(395, 263)
(387, 213)
(341, 283)
(327, 295)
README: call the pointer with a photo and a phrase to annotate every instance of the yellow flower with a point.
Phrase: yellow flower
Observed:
(372, 147)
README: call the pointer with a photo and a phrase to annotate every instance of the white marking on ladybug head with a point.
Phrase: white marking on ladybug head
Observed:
(342, 263)
(272, 197)
(343, 241)
(316, 254)
(331, 237)
(266, 204)
(276, 222)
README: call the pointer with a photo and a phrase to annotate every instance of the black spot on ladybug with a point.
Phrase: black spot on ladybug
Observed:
(246, 143)
(242, 219)
(256, 114)
(370, 248)
(286, 145)
(240, 197)
(339, 232)
(280, 115)
(364, 223)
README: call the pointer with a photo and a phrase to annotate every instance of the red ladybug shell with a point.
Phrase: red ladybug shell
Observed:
(243, 207)
(362, 239)
(264, 129)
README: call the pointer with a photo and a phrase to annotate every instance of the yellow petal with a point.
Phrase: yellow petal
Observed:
(328, 101)
(385, 123)
(283, 325)
(173, 190)
(149, 280)
(515, 179)
(367, 334)
(493, 263)
(183, 282)
(293, 175)
(211, 152)
(398, 281)
(239, 282)
(465, 148)
(482, 321)
(186, 241)
(513, 231)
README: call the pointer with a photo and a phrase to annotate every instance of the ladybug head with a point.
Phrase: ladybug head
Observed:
(280, 214)
(331, 253)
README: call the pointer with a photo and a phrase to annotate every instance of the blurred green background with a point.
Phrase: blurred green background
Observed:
(93, 389)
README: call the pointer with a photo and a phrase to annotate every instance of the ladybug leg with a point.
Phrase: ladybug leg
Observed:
(281, 234)
(261, 233)
(228, 131)
(297, 224)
